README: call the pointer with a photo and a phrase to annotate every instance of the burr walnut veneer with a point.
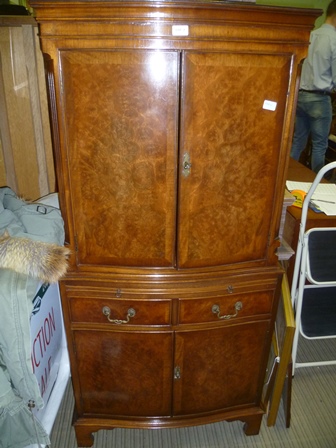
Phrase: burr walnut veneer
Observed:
(171, 125)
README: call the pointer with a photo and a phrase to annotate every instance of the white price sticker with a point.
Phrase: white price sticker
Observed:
(180, 30)
(269, 105)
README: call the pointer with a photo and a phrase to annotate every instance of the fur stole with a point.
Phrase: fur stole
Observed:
(45, 261)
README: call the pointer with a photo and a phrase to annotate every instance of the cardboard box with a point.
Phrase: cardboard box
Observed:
(46, 337)
(49, 354)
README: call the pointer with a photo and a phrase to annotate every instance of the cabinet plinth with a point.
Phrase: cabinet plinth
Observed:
(172, 124)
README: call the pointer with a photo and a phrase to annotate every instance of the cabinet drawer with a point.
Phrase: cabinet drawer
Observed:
(120, 311)
(226, 307)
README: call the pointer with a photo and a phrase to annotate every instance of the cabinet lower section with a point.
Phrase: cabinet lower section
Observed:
(169, 356)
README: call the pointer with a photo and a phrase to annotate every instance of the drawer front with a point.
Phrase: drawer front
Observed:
(120, 311)
(229, 306)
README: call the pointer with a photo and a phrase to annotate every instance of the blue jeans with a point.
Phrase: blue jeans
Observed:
(313, 116)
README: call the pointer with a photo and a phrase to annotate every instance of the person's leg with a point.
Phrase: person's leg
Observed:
(302, 129)
(320, 122)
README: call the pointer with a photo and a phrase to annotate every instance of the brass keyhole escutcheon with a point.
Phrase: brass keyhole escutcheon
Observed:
(186, 165)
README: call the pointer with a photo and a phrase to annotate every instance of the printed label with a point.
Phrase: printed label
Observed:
(180, 30)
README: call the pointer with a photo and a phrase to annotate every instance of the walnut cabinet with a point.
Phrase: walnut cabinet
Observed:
(171, 123)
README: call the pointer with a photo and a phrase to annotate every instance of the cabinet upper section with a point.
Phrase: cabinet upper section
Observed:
(172, 126)
(178, 24)
(147, 14)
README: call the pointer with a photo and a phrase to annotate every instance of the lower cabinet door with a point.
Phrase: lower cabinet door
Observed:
(219, 368)
(124, 373)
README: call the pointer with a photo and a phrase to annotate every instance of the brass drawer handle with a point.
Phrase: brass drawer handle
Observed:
(107, 311)
(216, 310)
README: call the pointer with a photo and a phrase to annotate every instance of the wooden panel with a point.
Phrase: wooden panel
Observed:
(121, 109)
(3, 179)
(125, 373)
(7, 166)
(24, 119)
(235, 143)
(219, 369)
(284, 335)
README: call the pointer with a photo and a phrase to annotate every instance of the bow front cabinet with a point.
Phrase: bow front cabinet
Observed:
(172, 124)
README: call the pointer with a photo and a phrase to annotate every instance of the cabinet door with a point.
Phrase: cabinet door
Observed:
(219, 368)
(120, 135)
(124, 373)
(232, 138)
